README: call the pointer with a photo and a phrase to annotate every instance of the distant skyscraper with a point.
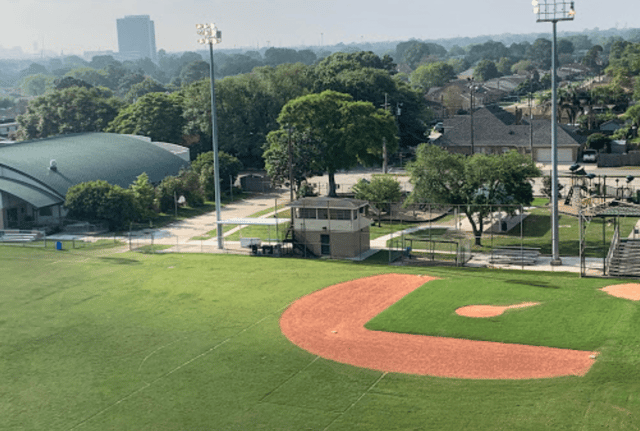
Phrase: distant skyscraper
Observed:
(136, 37)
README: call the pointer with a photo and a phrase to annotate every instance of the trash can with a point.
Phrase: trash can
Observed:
(58, 245)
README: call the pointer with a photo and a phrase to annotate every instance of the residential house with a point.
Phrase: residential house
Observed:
(496, 131)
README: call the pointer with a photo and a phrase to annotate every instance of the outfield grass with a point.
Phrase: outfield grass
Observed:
(585, 314)
(90, 341)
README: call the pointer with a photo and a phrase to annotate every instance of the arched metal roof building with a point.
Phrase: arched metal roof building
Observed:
(35, 175)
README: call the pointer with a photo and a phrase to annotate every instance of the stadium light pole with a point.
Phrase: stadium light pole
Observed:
(553, 11)
(211, 36)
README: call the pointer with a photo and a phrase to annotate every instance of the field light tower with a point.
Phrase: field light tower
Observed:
(211, 36)
(553, 11)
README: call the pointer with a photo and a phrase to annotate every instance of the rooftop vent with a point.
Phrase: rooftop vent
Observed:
(53, 165)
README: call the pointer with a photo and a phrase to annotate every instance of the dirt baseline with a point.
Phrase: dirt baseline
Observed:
(330, 323)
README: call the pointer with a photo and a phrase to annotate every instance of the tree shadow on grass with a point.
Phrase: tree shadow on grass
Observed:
(120, 260)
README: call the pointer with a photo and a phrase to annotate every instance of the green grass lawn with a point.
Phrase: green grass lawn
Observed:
(586, 315)
(97, 341)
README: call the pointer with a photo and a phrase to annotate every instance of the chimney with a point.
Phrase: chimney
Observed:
(518, 116)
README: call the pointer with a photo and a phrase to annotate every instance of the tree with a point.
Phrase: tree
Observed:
(432, 75)
(36, 85)
(479, 184)
(490, 50)
(382, 191)
(367, 77)
(305, 157)
(331, 66)
(598, 141)
(504, 66)
(565, 46)
(143, 197)
(238, 63)
(194, 71)
(347, 132)
(69, 81)
(247, 108)
(70, 110)
(156, 115)
(138, 90)
(417, 53)
(540, 53)
(521, 67)
(229, 166)
(91, 76)
(186, 184)
(99, 200)
(485, 70)
(593, 58)
(277, 56)
(7, 102)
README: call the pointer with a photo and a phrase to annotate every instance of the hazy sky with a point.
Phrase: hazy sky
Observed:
(74, 26)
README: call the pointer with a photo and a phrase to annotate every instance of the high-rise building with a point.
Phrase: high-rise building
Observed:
(136, 37)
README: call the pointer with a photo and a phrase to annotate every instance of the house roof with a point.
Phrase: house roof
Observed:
(117, 159)
(496, 127)
(326, 202)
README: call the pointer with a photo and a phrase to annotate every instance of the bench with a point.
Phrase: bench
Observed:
(514, 255)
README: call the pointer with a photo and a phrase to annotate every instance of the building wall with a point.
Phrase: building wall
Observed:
(15, 211)
(341, 244)
(2, 211)
(136, 37)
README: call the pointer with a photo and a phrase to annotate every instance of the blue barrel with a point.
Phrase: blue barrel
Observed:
(58, 245)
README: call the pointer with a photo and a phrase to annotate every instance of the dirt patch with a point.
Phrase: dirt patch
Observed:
(627, 291)
(330, 323)
(489, 310)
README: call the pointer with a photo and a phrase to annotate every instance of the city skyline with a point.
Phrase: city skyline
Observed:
(75, 26)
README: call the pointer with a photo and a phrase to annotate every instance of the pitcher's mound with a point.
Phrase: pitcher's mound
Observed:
(489, 310)
(627, 291)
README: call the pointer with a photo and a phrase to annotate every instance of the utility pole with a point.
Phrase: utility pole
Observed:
(531, 126)
(472, 87)
(384, 140)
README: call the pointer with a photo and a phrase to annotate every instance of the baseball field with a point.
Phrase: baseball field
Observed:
(91, 339)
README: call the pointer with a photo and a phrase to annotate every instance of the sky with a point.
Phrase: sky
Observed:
(75, 26)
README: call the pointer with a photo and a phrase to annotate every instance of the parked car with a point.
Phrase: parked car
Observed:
(590, 156)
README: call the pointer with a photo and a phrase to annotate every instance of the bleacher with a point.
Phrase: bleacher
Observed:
(20, 235)
(625, 259)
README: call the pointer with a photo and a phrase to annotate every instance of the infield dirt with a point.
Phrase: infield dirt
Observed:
(330, 323)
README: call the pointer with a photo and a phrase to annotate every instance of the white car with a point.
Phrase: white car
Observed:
(590, 156)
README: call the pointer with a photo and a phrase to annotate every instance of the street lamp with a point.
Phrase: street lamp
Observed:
(553, 11)
(210, 36)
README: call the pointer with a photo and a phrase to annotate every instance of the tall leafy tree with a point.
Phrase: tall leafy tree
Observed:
(479, 184)
(156, 115)
(36, 85)
(382, 192)
(299, 148)
(347, 132)
(70, 110)
(194, 71)
(138, 90)
(367, 77)
(432, 75)
(247, 108)
(229, 166)
(485, 70)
